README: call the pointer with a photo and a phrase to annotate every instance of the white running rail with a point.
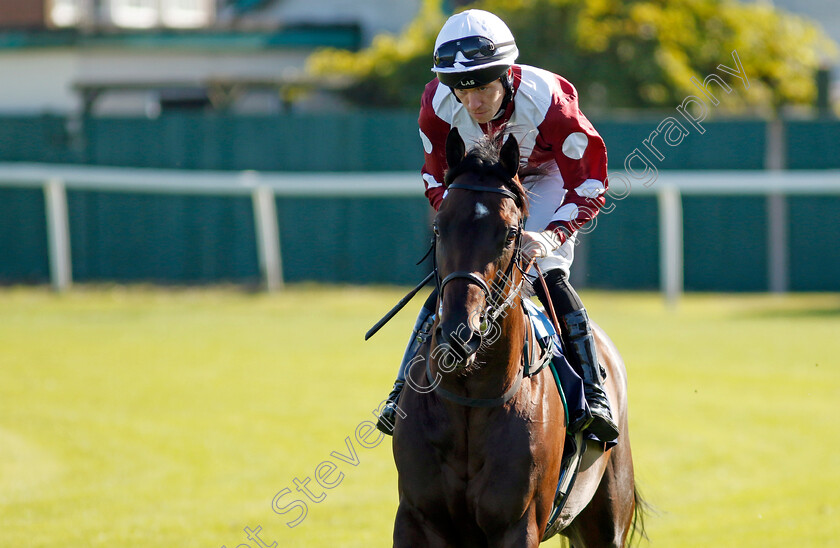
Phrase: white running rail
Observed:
(668, 186)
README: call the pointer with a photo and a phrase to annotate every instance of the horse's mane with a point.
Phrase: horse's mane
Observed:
(483, 160)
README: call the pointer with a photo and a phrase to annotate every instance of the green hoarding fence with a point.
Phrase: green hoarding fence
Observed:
(814, 252)
(175, 239)
(23, 237)
(813, 144)
(369, 141)
(161, 238)
(356, 240)
(622, 249)
(340, 142)
(386, 141)
(208, 239)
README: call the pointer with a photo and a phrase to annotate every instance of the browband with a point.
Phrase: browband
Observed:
(477, 188)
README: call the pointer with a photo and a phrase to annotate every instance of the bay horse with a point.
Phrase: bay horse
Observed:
(478, 447)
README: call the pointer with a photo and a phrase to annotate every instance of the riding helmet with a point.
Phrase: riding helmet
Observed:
(473, 48)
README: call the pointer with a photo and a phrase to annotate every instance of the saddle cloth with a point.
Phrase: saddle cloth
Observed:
(569, 383)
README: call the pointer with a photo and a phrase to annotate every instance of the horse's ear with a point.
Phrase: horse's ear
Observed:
(455, 149)
(509, 156)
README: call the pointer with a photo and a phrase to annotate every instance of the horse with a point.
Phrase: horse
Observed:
(477, 445)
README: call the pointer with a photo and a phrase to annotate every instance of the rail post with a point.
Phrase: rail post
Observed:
(58, 234)
(670, 243)
(268, 237)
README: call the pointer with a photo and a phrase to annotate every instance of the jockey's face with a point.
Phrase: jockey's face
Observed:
(482, 102)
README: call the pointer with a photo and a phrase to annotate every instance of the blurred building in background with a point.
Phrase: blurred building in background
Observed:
(129, 57)
(129, 14)
(140, 57)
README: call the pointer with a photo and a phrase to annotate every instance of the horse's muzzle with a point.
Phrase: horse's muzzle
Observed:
(457, 345)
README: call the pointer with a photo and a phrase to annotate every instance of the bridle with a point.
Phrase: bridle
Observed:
(492, 310)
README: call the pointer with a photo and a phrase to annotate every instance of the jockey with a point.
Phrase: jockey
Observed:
(479, 90)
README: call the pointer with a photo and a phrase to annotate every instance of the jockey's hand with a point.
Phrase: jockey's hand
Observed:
(536, 245)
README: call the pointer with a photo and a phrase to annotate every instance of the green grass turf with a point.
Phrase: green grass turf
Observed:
(144, 417)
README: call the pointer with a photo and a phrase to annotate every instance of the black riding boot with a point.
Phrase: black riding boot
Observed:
(579, 341)
(580, 347)
(422, 328)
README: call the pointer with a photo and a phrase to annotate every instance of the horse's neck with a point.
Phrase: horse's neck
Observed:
(504, 354)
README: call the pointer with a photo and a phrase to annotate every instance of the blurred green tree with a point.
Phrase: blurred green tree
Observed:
(619, 53)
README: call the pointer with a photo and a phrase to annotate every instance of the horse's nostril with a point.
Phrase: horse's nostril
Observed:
(462, 340)
(472, 344)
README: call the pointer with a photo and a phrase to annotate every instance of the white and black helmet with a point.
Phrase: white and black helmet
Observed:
(473, 48)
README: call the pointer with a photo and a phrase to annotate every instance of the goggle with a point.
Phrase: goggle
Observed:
(473, 48)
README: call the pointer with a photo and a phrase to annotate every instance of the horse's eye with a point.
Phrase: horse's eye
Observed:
(435, 230)
(511, 235)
